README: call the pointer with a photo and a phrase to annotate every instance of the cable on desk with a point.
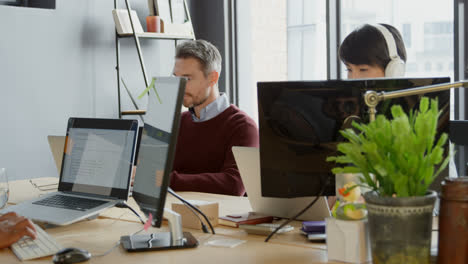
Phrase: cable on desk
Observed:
(204, 228)
(298, 214)
(190, 206)
(108, 251)
(125, 205)
(114, 246)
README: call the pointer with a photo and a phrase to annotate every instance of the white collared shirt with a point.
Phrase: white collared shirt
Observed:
(212, 110)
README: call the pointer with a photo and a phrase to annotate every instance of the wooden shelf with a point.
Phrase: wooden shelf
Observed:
(152, 35)
(133, 112)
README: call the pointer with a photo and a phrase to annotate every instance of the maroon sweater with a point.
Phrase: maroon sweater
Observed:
(204, 161)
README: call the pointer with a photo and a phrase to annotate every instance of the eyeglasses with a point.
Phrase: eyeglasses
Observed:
(44, 187)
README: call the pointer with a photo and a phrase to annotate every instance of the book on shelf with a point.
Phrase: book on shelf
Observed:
(122, 21)
(250, 218)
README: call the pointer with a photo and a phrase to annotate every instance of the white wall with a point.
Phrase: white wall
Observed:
(60, 63)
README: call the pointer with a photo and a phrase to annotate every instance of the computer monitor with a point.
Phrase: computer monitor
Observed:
(154, 166)
(299, 124)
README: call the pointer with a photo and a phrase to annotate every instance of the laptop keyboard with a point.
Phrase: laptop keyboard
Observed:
(43, 245)
(70, 202)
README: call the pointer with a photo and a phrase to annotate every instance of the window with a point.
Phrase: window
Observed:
(440, 66)
(412, 66)
(261, 48)
(428, 35)
(307, 52)
(428, 66)
(287, 40)
(279, 41)
(438, 28)
(407, 35)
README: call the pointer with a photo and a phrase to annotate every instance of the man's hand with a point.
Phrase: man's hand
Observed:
(14, 227)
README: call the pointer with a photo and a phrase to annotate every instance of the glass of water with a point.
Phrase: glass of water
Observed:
(4, 190)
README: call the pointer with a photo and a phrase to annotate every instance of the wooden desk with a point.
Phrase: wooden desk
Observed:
(23, 190)
(97, 236)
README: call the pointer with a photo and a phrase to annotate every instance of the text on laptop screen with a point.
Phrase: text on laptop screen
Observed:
(99, 160)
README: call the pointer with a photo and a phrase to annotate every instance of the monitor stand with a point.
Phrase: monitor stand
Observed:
(174, 239)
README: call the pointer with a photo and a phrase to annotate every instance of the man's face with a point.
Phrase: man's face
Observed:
(199, 86)
(363, 71)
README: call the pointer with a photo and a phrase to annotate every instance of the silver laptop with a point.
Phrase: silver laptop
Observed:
(248, 162)
(95, 173)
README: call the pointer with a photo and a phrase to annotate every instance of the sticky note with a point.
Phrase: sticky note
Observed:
(148, 222)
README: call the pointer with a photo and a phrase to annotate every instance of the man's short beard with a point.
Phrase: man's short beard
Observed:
(195, 104)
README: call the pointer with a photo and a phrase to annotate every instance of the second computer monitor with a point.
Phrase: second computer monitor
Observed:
(157, 146)
(299, 124)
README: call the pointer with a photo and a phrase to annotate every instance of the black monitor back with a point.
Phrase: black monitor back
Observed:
(299, 124)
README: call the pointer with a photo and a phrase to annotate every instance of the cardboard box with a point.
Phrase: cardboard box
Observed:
(190, 220)
(348, 241)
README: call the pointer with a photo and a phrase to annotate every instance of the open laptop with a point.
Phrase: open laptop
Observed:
(248, 162)
(95, 172)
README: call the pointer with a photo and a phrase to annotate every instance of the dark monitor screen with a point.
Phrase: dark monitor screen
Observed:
(49, 4)
(157, 146)
(299, 124)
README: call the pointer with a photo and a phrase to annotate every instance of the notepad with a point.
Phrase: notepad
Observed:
(250, 218)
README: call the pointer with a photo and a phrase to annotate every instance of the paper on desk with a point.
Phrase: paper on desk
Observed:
(23, 190)
(224, 242)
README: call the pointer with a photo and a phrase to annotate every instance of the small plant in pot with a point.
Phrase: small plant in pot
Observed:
(398, 160)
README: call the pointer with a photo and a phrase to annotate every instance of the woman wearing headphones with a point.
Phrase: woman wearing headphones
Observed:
(372, 51)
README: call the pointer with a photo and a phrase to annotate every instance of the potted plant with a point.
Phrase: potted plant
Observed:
(398, 159)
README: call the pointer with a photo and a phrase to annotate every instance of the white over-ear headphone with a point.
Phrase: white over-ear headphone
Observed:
(396, 66)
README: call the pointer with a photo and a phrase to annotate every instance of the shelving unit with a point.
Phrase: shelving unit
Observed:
(136, 37)
(151, 35)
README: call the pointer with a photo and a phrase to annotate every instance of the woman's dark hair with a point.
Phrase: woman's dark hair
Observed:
(367, 45)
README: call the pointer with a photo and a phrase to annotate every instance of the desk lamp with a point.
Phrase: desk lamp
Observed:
(372, 98)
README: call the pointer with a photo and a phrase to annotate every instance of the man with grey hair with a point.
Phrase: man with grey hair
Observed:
(204, 161)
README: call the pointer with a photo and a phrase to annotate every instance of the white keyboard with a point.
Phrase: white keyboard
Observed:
(44, 245)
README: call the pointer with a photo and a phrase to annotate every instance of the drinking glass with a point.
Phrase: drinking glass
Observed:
(4, 190)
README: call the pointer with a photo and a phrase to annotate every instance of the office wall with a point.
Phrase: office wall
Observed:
(60, 63)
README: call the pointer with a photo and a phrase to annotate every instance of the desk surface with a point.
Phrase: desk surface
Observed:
(23, 190)
(99, 235)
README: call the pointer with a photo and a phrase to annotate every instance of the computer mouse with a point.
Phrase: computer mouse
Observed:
(71, 255)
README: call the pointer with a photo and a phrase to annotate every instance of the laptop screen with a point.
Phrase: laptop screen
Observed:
(98, 156)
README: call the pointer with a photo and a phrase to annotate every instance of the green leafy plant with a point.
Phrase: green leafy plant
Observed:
(398, 156)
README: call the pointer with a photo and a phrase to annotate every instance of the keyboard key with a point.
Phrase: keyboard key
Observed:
(44, 245)
(70, 202)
